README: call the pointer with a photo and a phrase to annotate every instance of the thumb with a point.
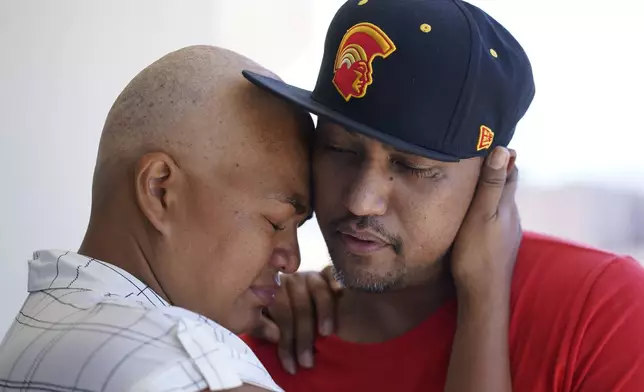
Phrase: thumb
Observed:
(491, 183)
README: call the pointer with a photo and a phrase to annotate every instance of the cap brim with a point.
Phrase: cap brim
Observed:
(303, 99)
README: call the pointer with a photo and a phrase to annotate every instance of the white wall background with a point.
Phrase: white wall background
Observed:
(62, 65)
(64, 62)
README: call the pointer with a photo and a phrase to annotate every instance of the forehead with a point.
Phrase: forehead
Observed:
(271, 151)
(274, 170)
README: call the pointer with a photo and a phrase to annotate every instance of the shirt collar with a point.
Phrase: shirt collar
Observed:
(56, 269)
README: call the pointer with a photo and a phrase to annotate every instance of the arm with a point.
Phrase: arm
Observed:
(480, 352)
(482, 262)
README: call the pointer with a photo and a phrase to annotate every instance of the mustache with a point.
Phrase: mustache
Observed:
(372, 223)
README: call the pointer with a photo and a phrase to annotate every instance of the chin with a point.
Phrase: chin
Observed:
(371, 279)
(243, 321)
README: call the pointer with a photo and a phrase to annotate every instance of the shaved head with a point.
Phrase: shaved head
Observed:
(189, 104)
(203, 178)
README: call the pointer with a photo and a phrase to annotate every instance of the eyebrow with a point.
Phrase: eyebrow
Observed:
(294, 201)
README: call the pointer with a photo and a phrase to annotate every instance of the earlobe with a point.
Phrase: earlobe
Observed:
(155, 178)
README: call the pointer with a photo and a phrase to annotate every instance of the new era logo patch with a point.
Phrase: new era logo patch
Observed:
(486, 137)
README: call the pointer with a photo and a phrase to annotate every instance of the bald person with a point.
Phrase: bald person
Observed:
(200, 184)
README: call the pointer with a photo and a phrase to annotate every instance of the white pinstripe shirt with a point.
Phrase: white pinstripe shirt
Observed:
(90, 326)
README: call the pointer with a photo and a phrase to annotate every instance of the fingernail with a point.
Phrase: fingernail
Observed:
(499, 158)
(306, 359)
(326, 328)
(289, 365)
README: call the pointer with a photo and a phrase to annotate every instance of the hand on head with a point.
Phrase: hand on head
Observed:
(485, 249)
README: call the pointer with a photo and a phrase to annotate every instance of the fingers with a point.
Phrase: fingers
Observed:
(491, 183)
(266, 330)
(303, 319)
(324, 302)
(282, 316)
(305, 297)
(328, 273)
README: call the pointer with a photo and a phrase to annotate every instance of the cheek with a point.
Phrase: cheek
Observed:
(226, 245)
(241, 252)
(431, 223)
(233, 262)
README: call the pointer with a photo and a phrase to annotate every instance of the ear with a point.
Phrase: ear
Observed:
(157, 178)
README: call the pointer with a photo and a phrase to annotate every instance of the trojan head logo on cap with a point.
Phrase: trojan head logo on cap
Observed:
(359, 47)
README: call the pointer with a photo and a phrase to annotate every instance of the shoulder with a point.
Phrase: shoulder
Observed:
(267, 354)
(583, 309)
(577, 316)
(537, 245)
(551, 263)
(115, 345)
(559, 284)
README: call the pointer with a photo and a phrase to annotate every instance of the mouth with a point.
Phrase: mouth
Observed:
(265, 294)
(361, 244)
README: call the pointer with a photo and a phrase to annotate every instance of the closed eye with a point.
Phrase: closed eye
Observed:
(339, 149)
(421, 172)
(275, 226)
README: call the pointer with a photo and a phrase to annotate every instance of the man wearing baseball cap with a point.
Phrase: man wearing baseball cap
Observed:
(411, 96)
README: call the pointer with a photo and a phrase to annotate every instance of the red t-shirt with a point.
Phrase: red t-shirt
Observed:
(577, 324)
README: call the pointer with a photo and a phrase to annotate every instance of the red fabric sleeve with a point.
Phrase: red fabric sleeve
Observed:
(609, 353)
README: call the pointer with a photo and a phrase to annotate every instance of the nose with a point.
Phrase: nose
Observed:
(286, 255)
(369, 191)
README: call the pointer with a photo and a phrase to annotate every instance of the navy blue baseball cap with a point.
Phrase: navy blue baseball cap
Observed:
(435, 78)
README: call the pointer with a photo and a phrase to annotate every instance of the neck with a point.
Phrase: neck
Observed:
(378, 317)
(112, 238)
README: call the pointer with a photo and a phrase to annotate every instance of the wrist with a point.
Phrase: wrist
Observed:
(483, 318)
(484, 287)
(486, 300)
